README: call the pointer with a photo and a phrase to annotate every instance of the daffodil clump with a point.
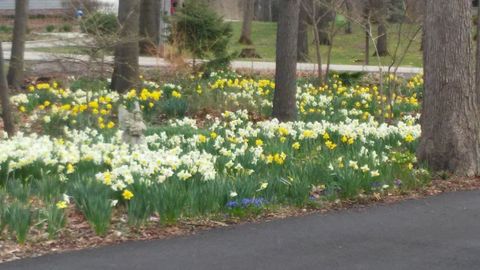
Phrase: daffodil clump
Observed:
(225, 161)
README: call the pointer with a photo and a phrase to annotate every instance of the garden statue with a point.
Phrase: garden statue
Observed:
(132, 125)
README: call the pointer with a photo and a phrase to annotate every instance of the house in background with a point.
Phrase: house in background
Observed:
(38, 7)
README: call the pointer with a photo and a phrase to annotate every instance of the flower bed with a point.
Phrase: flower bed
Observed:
(234, 161)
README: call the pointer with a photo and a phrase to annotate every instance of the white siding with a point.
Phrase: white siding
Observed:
(35, 4)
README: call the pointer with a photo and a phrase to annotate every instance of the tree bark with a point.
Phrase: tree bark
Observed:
(15, 72)
(248, 12)
(477, 69)
(449, 120)
(7, 118)
(302, 41)
(382, 43)
(125, 71)
(366, 15)
(348, 26)
(284, 99)
(149, 25)
(322, 26)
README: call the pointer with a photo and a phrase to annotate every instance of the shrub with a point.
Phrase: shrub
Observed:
(5, 29)
(50, 28)
(100, 24)
(67, 28)
(203, 33)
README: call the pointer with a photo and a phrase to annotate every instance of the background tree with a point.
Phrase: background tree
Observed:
(302, 42)
(380, 10)
(125, 72)
(367, 26)
(449, 119)
(348, 8)
(284, 99)
(149, 24)
(7, 118)
(325, 16)
(248, 12)
(15, 72)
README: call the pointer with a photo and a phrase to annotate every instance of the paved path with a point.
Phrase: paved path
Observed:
(159, 62)
(441, 233)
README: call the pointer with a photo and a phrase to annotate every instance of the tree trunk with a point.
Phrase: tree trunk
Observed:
(246, 36)
(125, 71)
(269, 10)
(366, 15)
(15, 72)
(348, 26)
(449, 119)
(322, 26)
(302, 41)
(367, 46)
(382, 45)
(284, 99)
(149, 25)
(7, 118)
(477, 76)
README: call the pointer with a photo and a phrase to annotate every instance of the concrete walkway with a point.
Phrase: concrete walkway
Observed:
(160, 62)
(441, 233)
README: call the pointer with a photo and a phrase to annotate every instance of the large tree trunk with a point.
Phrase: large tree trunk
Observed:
(284, 99)
(149, 25)
(15, 72)
(7, 118)
(450, 127)
(477, 76)
(302, 41)
(125, 71)
(382, 43)
(248, 12)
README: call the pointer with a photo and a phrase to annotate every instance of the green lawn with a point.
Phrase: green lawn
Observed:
(348, 49)
(62, 49)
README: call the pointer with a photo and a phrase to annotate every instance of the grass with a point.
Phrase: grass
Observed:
(348, 49)
(62, 50)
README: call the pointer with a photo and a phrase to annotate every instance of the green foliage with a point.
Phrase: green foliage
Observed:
(99, 23)
(93, 85)
(49, 187)
(55, 219)
(18, 190)
(3, 210)
(93, 199)
(19, 219)
(199, 30)
(169, 200)
(66, 27)
(140, 207)
(50, 28)
(5, 29)
(175, 107)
